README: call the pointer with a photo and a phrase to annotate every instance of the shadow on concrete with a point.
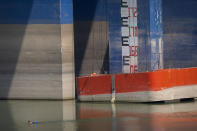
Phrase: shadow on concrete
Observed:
(14, 15)
(91, 37)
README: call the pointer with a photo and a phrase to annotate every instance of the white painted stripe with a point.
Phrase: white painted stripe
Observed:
(173, 93)
(105, 97)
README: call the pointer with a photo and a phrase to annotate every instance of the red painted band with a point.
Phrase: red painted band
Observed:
(148, 81)
(94, 85)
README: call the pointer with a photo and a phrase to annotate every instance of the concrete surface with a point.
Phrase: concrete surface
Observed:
(33, 61)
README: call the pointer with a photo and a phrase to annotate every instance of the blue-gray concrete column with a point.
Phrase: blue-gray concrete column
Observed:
(115, 46)
(67, 49)
(156, 34)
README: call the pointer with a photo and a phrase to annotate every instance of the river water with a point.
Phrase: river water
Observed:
(78, 116)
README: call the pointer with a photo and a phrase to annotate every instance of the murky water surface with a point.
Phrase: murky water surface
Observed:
(72, 116)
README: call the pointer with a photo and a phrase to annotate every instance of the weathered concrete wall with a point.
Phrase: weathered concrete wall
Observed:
(67, 52)
(91, 37)
(91, 47)
(30, 61)
(37, 50)
(38, 65)
(180, 33)
(67, 49)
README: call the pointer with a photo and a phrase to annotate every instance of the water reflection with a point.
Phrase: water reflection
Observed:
(71, 116)
(49, 114)
(139, 117)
